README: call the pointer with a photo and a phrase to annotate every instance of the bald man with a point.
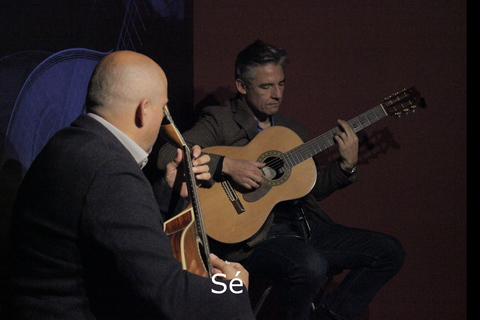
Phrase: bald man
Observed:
(87, 238)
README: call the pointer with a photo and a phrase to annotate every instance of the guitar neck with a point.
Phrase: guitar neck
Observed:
(307, 150)
(203, 248)
(197, 210)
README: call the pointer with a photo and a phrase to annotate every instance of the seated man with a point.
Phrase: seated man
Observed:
(299, 242)
(87, 239)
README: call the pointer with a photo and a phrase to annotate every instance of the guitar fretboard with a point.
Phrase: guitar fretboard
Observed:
(197, 210)
(203, 246)
(307, 150)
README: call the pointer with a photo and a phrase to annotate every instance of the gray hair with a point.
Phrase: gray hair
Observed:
(257, 54)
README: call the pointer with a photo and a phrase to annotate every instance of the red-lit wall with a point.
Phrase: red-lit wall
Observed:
(345, 57)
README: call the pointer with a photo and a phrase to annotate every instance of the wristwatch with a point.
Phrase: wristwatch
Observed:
(349, 173)
(354, 169)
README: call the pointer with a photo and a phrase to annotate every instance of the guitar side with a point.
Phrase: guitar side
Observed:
(184, 239)
(222, 221)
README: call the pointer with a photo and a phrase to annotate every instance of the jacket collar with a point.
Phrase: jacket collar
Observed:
(140, 156)
(90, 123)
(243, 116)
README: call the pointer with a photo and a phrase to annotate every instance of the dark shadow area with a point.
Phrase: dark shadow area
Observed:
(215, 98)
(10, 179)
(270, 308)
(57, 25)
(372, 144)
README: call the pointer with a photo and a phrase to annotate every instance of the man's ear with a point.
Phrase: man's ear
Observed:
(141, 113)
(241, 87)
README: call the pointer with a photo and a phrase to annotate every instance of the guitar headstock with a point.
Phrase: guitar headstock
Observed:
(169, 130)
(403, 102)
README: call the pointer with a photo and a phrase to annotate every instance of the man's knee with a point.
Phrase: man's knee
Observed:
(395, 254)
(312, 269)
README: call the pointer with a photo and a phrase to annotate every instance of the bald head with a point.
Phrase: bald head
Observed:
(121, 80)
(129, 90)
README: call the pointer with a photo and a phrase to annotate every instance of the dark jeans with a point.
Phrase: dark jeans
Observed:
(297, 259)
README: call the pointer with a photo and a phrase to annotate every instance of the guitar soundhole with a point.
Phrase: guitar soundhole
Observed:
(274, 171)
(273, 165)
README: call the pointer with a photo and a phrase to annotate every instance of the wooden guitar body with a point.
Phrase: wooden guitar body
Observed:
(222, 220)
(187, 247)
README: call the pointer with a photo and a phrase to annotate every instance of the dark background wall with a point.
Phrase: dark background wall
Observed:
(345, 57)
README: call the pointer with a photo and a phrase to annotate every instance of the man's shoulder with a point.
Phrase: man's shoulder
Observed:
(88, 142)
(226, 110)
(216, 109)
(229, 105)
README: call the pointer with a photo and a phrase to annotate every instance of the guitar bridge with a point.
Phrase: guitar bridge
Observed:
(232, 196)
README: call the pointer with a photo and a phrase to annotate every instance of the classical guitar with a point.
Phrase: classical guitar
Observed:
(186, 230)
(233, 215)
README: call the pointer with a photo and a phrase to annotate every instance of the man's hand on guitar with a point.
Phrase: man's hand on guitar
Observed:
(200, 166)
(229, 269)
(347, 141)
(174, 174)
(245, 173)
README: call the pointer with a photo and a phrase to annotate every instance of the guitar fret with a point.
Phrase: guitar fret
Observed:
(379, 112)
(356, 124)
(288, 162)
(297, 158)
(366, 121)
(370, 117)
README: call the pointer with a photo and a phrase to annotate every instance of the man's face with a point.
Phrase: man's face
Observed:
(264, 93)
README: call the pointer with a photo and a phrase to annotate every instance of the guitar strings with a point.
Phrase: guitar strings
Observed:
(290, 158)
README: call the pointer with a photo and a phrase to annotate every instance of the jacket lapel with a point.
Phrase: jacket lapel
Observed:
(244, 118)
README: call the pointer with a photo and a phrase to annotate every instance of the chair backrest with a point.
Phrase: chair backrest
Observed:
(14, 70)
(50, 99)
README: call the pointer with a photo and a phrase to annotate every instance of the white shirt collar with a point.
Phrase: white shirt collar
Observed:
(140, 155)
